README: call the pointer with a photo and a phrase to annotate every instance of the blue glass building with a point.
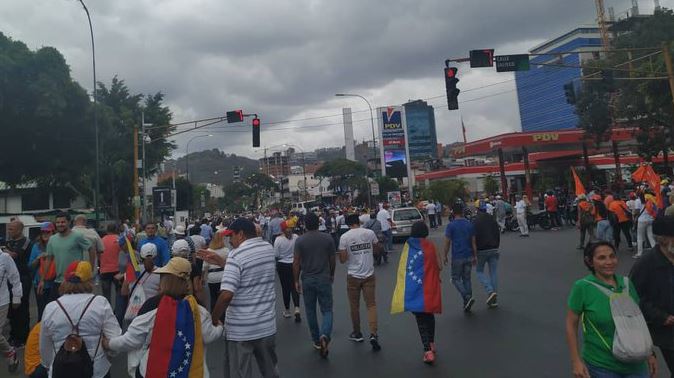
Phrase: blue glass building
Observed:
(422, 138)
(540, 91)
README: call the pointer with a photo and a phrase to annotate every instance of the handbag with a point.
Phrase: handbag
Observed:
(47, 273)
(136, 299)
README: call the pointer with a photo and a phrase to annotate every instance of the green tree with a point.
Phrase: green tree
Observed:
(446, 191)
(120, 118)
(47, 133)
(490, 184)
(644, 103)
(345, 176)
(386, 184)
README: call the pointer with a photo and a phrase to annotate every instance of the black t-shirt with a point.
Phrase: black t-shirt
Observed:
(315, 250)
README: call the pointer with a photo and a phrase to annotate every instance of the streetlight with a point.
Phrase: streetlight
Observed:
(145, 139)
(187, 154)
(374, 147)
(187, 160)
(93, 59)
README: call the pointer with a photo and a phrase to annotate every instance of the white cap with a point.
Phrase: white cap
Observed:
(180, 230)
(148, 250)
(180, 248)
(199, 241)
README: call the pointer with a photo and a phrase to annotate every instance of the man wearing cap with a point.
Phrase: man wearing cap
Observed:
(652, 277)
(248, 297)
(163, 254)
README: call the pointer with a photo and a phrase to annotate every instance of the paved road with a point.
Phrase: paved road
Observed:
(524, 337)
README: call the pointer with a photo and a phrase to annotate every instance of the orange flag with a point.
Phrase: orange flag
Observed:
(653, 180)
(580, 189)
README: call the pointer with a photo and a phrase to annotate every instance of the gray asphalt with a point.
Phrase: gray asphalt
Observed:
(523, 337)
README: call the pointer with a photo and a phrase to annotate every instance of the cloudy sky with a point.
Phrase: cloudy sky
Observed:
(285, 60)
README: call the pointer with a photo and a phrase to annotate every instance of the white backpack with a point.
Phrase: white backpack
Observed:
(631, 341)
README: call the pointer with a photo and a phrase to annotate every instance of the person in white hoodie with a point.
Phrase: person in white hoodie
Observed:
(8, 274)
(175, 284)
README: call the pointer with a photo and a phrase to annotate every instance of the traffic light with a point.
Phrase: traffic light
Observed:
(452, 90)
(235, 116)
(570, 93)
(256, 132)
(481, 58)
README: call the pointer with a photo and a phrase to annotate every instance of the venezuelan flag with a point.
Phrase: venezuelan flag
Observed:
(418, 279)
(176, 348)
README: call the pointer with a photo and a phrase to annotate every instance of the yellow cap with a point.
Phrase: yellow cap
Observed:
(178, 266)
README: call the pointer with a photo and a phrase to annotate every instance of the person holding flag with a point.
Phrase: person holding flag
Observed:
(178, 351)
(418, 286)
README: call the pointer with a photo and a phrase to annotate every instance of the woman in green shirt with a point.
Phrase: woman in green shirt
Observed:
(588, 303)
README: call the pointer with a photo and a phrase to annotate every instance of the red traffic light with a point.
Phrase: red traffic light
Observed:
(235, 116)
(451, 72)
(256, 122)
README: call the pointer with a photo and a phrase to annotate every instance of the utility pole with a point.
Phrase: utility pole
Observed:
(670, 77)
(144, 196)
(136, 198)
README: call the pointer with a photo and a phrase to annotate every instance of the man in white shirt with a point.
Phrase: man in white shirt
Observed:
(364, 217)
(521, 214)
(8, 274)
(430, 211)
(356, 247)
(384, 217)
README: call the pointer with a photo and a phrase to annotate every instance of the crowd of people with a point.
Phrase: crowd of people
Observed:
(216, 279)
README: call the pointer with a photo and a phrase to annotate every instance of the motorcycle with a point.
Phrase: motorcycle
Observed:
(540, 218)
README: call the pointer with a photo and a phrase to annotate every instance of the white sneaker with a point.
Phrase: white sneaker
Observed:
(286, 314)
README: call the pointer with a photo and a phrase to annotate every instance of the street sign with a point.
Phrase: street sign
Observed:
(481, 58)
(510, 63)
(374, 188)
(161, 198)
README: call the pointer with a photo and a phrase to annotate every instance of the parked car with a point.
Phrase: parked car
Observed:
(402, 219)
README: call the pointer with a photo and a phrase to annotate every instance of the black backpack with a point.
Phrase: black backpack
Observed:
(73, 359)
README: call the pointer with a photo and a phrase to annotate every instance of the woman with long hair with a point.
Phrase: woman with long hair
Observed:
(44, 273)
(418, 286)
(588, 303)
(77, 310)
(213, 273)
(185, 327)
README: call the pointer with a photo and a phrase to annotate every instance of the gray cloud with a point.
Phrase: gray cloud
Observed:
(286, 59)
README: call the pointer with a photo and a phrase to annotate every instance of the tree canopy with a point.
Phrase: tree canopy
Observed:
(645, 103)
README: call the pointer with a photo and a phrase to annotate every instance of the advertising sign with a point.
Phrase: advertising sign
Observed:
(393, 136)
(162, 198)
(394, 198)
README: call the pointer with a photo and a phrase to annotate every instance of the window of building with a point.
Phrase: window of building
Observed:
(34, 200)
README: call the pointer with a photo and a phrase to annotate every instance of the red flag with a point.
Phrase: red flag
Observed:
(580, 189)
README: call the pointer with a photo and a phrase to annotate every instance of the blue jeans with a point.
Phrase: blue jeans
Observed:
(489, 257)
(461, 268)
(315, 289)
(604, 231)
(388, 240)
(597, 372)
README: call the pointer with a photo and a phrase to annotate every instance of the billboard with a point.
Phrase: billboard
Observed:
(394, 149)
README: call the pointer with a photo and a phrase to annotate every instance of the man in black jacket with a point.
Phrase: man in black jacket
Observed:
(19, 247)
(487, 239)
(653, 278)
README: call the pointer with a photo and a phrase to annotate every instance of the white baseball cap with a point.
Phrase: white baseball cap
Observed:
(180, 248)
(180, 230)
(148, 250)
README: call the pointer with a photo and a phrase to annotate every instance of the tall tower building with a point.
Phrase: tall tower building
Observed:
(423, 139)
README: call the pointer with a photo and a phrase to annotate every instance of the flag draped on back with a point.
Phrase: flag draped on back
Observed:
(418, 279)
(176, 348)
(580, 189)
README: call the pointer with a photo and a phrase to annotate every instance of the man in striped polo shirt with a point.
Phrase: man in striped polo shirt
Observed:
(248, 296)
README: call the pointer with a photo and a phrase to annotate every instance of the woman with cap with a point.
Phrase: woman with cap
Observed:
(78, 308)
(213, 272)
(284, 249)
(185, 328)
(147, 282)
(43, 275)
